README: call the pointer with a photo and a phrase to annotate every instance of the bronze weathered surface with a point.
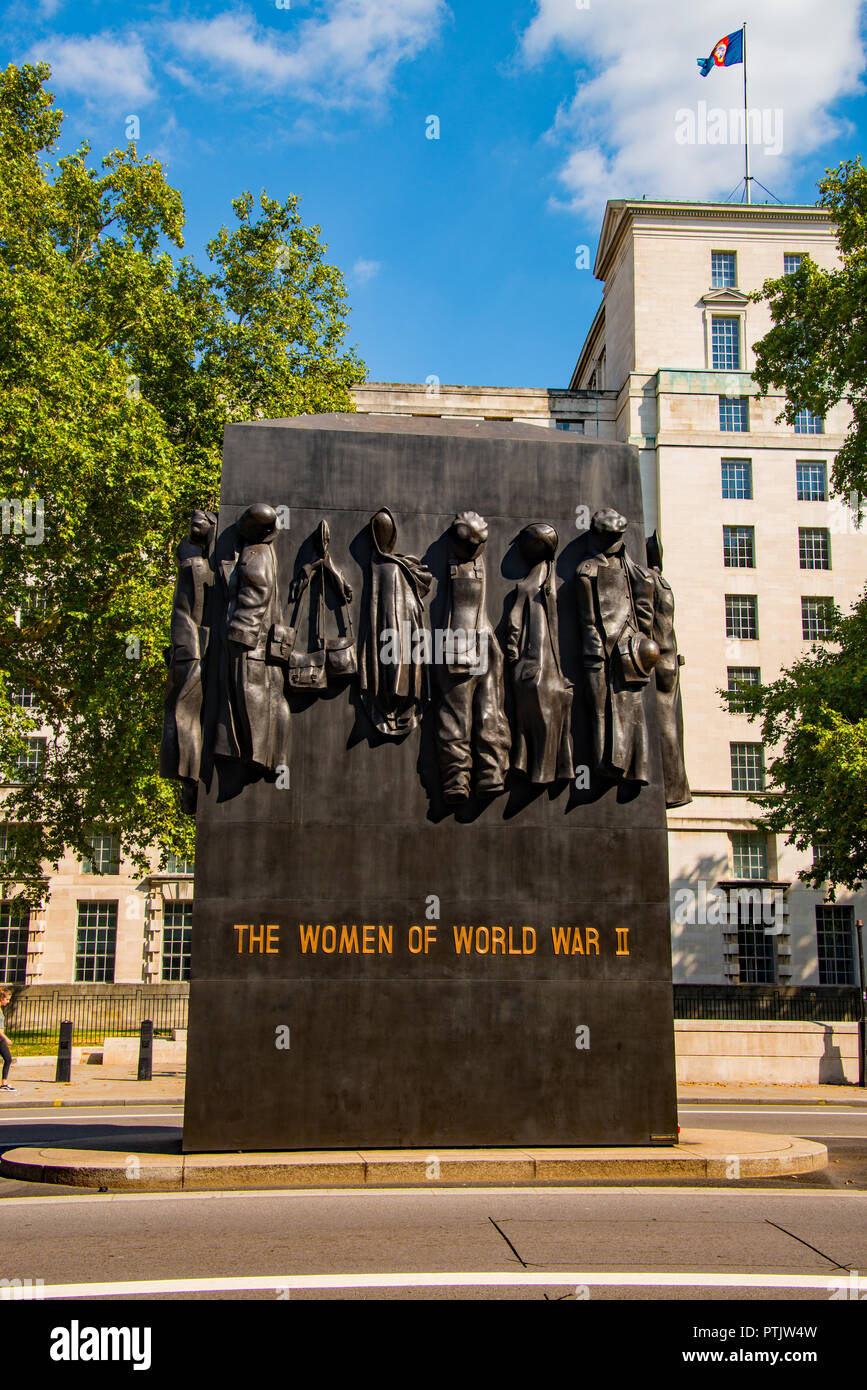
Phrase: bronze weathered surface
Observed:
(253, 725)
(394, 686)
(473, 737)
(181, 748)
(615, 613)
(541, 695)
(669, 705)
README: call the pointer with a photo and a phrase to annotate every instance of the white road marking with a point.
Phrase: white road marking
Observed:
(432, 1193)
(461, 1279)
(69, 1114)
(852, 1112)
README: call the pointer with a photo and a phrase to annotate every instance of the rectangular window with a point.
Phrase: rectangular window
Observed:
(808, 423)
(734, 417)
(23, 697)
(737, 479)
(95, 942)
(14, 927)
(723, 270)
(749, 855)
(574, 426)
(738, 676)
(816, 616)
(7, 846)
(812, 482)
(31, 761)
(748, 767)
(104, 857)
(177, 935)
(792, 261)
(739, 547)
(756, 962)
(814, 548)
(835, 933)
(725, 337)
(742, 616)
(176, 865)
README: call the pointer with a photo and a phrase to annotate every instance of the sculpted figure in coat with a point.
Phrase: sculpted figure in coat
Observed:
(615, 614)
(472, 731)
(669, 706)
(181, 748)
(542, 697)
(253, 726)
(393, 674)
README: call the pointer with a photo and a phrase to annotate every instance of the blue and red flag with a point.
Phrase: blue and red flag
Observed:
(726, 53)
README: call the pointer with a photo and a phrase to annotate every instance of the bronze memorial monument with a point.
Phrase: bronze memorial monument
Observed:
(428, 721)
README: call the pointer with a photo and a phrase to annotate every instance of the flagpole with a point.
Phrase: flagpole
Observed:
(746, 121)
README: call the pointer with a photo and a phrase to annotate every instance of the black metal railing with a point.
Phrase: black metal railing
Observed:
(770, 1003)
(94, 1016)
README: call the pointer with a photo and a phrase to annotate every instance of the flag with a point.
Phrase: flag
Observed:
(728, 51)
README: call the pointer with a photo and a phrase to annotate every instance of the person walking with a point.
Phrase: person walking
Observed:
(5, 1049)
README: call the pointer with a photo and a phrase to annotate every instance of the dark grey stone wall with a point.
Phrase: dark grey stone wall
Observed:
(437, 1048)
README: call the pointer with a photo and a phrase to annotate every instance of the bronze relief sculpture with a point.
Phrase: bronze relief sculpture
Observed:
(186, 658)
(472, 731)
(615, 615)
(314, 658)
(541, 695)
(393, 673)
(669, 705)
(253, 726)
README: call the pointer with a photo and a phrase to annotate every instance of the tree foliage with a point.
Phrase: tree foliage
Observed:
(120, 365)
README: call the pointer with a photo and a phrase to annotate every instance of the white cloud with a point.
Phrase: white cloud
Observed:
(639, 71)
(100, 68)
(347, 56)
(364, 271)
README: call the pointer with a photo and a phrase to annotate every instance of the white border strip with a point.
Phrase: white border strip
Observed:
(411, 1279)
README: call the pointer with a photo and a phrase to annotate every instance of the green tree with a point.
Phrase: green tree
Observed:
(813, 717)
(120, 365)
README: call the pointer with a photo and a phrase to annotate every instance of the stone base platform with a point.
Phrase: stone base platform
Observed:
(701, 1153)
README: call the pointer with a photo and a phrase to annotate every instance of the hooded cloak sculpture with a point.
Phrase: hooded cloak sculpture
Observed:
(393, 675)
(669, 706)
(542, 697)
(186, 658)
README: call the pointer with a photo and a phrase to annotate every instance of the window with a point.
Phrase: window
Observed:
(7, 846)
(737, 478)
(176, 865)
(14, 927)
(739, 547)
(95, 943)
(792, 261)
(808, 423)
(812, 482)
(835, 931)
(575, 426)
(177, 934)
(816, 616)
(756, 962)
(725, 337)
(23, 697)
(723, 269)
(734, 414)
(749, 855)
(34, 606)
(742, 616)
(30, 762)
(748, 767)
(814, 548)
(104, 857)
(738, 676)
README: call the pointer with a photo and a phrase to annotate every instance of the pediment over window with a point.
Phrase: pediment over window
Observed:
(725, 299)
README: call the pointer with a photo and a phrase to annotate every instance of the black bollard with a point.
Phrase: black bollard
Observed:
(146, 1051)
(64, 1053)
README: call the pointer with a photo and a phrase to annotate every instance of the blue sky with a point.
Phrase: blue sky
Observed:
(459, 252)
